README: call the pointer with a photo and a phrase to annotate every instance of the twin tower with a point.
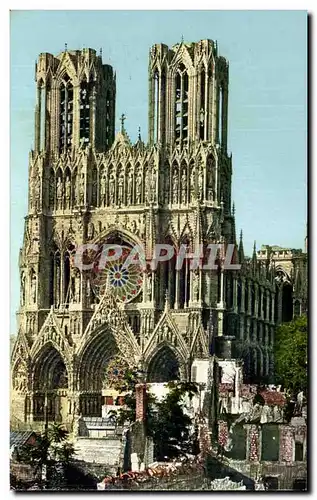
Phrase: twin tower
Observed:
(88, 185)
(76, 93)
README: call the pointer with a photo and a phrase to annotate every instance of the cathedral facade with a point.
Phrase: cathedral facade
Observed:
(88, 186)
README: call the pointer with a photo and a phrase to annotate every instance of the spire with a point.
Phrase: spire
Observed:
(233, 209)
(254, 259)
(167, 306)
(241, 249)
(139, 134)
(122, 119)
(65, 47)
(254, 251)
(234, 223)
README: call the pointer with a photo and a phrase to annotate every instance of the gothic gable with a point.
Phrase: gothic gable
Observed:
(166, 331)
(51, 333)
(110, 314)
(199, 347)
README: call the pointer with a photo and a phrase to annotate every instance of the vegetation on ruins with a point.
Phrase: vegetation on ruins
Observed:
(166, 420)
(291, 355)
(52, 451)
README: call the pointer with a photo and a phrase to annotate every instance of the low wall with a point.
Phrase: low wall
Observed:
(102, 451)
(286, 473)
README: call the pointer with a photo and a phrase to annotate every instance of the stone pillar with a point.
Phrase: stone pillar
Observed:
(224, 118)
(267, 312)
(140, 396)
(249, 304)
(242, 308)
(177, 289)
(92, 104)
(37, 143)
(286, 444)
(223, 433)
(256, 301)
(206, 124)
(254, 444)
(273, 308)
(247, 336)
(235, 295)
(30, 416)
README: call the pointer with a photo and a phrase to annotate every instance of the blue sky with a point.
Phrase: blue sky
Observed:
(267, 102)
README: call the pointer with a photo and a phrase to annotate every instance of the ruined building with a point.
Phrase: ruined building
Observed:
(90, 186)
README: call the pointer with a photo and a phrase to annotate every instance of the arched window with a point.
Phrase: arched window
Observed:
(66, 114)
(67, 272)
(55, 278)
(202, 105)
(156, 105)
(181, 105)
(51, 188)
(108, 119)
(220, 114)
(94, 187)
(84, 113)
(184, 278)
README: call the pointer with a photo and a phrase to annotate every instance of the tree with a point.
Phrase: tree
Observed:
(166, 422)
(51, 451)
(291, 355)
(171, 428)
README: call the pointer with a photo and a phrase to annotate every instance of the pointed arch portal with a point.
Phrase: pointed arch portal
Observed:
(50, 384)
(92, 371)
(164, 366)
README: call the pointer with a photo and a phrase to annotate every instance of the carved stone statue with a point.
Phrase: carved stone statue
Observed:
(75, 286)
(33, 289)
(111, 189)
(193, 183)
(149, 287)
(184, 187)
(51, 193)
(166, 187)
(141, 227)
(166, 332)
(200, 185)
(22, 290)
(120, 190)
(36, 193)
(175, 187)
(82, 190)
(90, 231)
(103, 190)
(68, 192)
(195, 287)
(153, 186)
(59, 193)
(20, 382)
(138, 188)
(130, 185)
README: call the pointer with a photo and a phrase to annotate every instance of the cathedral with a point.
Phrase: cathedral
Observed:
(78, 328)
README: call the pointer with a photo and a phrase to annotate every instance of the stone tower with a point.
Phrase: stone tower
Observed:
(78, 328)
